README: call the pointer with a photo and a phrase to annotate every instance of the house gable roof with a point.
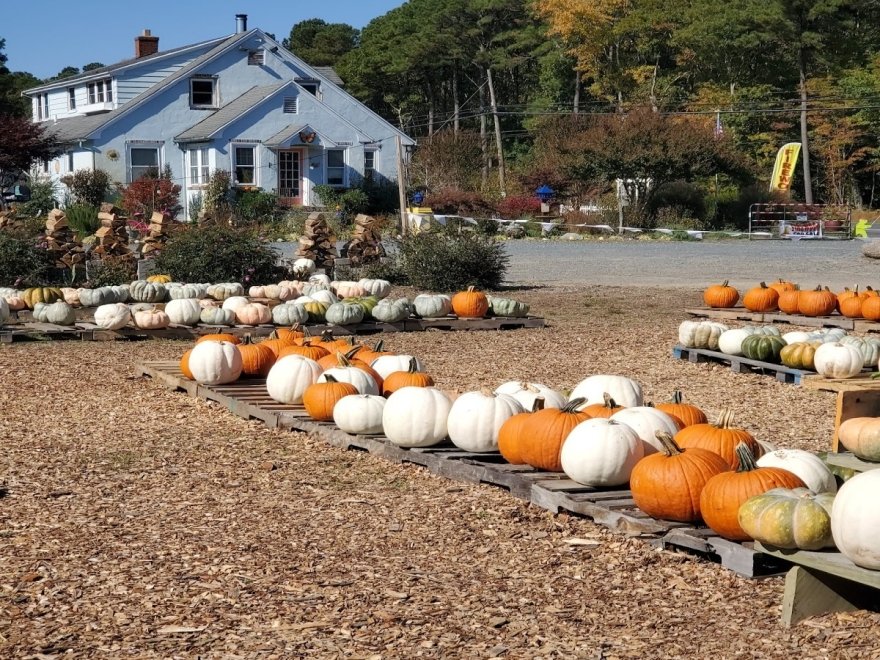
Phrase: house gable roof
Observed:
(285, 137)
(221, 118)
(330, 74)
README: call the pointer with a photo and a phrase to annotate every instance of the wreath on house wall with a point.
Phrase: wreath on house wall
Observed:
(112, 154)
(307, 137)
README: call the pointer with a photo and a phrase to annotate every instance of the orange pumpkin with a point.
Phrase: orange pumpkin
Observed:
(346, 360)
(333, 345)
(685, 414)
(544, 432)
(470, 304)
(761, 299)
(412, 377)
(781, 286)
(290, 334)
(789, 300)
(720, 437)
(818, 302)
(368, 354)
(605, 409)
(308, 349)
(720, 295)
(256, 359)
(184, 365)
(319, 398)
(667, 485)
(871, 308)
(221, 336)
(509, 439)
(332, 359)
(277, 343)
(849, 303)
(724, 493)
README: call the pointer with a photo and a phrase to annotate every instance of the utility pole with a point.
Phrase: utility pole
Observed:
(805, 145)
(401, 187)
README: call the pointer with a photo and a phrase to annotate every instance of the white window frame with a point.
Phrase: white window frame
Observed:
(233, 158)
(214, 92)
(198, 163)
(370, 172)
(42, 113)
(143, 146)
(71, 98)
(99, 91)
(343, 167)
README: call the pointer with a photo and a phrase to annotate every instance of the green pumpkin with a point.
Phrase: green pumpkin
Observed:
(800, 354)
(367, 302)
(148, 292)
(794, 518)
(765, 348)
(342, 314)
(317, 311)
(392, 310)
(507, 307)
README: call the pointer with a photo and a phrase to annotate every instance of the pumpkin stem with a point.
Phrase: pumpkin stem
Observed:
(380, 346)
(609, 402)
(248, 339)
(724, 283)
(413, 366)
(574, 404)
(725, 420)
(470, 289)
(538, 404)
(342, 359)
(677, 398)
(670, 446)
(746, 458)
(330, 378)
(763, 285)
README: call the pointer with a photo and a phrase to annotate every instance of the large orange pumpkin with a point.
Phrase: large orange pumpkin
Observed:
(603, 410)
(221, 336)
(761, 299)
(849, 302)
(256, 359)
(412, 377)
(781, 286)
(307, 349)
(686, 414)
(871, 308)
(290, 334)
(818, 302)
(720, 295)
(668, 484)
(724, 493)
(184, 365)
(368, 354)
(470, 304)
(788, 301)
(720, 437)
(545, 431)
(509, 435)
(319, 398)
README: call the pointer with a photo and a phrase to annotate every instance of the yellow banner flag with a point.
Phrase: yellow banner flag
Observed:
(784, 167)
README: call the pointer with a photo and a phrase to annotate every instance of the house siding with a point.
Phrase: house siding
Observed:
(134, 81)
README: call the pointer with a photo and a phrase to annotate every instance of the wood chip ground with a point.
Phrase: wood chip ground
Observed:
(136, 522)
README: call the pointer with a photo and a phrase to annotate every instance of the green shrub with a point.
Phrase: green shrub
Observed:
(194, 207)
(685, 198)
(440, 261)
(44, 194)
(22, 261)
(88, 186)
(253, 206)
(218, 193)
(218, 253)
(348, 203)
(83, 219)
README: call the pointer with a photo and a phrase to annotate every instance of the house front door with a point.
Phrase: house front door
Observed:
(290, 183)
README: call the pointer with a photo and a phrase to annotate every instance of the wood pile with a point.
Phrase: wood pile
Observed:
(9, 222)
(318, 242)
(161, 226)
(61, 241)
(365, 246)
(111, 239)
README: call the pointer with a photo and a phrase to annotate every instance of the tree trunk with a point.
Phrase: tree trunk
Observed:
(577, 91)
(805, 145)
(456, 105)
(497, 122)
(654, 87)
(430, 108)
(484, 141)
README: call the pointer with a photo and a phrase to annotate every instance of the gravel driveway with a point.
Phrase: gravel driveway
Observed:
(689, 264)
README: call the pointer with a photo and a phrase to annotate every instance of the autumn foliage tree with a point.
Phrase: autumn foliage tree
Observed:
(22, 143)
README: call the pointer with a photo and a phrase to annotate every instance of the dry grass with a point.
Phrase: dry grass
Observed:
(143, 523)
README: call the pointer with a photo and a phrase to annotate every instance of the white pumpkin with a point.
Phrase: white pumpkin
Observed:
(625, 391)
(197, 291)
(290, 376)
(217, 316)
(377, 288)
(362, 381)
(304, 267)
(184, 311)
(601, 452)
(289, 314)
(324, 296)
(416, 416)
(4, 311)
(647, 422)
(57, 313)
(113, 316)
(71, 296)
(151, 319)
(855, 520)
(225, 290)
(526, 393)
(869, 347)
(215, 362)
(359, 414)
(384, 365)
(234, 302)
(798, 336)
(432, 305)
(730, 341)
(700, 334)
(476, 417)
(836, 360)
(302, 300)
(803, 464)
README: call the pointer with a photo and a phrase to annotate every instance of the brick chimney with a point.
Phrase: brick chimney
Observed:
(145, 44)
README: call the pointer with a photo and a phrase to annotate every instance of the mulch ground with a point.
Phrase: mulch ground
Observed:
(136, 522)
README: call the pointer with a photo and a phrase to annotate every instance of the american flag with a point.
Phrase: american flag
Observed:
(719, 129)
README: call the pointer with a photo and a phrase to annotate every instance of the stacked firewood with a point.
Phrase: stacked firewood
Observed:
(61, 242)
(9, 222)
(365, 246)
(161, 226)
(318, 242)
(112, 236)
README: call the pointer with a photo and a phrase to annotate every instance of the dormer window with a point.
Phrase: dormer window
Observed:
(203, 92)
(42, 111)
(71, 98)
(100, 91)
(311, 85)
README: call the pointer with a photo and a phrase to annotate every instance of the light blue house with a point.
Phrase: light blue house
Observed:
(241, 103)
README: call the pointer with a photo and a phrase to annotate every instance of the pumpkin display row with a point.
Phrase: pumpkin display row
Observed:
(787, 297)
(828, 351)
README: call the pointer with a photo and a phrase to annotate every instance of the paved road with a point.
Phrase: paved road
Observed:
(691, 264)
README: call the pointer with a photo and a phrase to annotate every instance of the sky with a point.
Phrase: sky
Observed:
(49, 35)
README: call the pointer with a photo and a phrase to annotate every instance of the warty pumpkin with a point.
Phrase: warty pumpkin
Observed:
(320, 398)
(761, 298)
(789, 518)
(720, 296)
(545, 431)
(667, 485)
(686, 413)
(721, 437)
(725, 493)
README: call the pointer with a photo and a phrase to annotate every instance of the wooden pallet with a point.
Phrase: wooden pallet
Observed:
(742, 314)
(552, 491)
(823, 582)
(741, 364)
(860, 383)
